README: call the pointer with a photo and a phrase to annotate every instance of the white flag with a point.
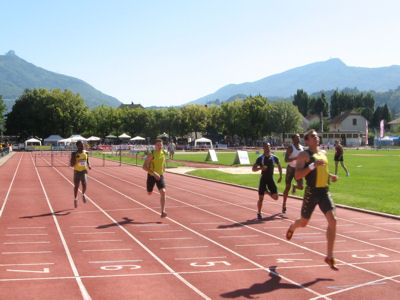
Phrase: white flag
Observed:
(366, 133)
(382, 127)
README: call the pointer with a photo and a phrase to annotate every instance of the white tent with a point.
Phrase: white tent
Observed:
(32, 142)
(52, 139)
(93, 139)
(76, 137)
(124, 136)
(203, 142)
(64, 142)
(138, 138)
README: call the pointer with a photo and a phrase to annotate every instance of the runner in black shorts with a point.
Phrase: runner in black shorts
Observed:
(339, 158)
(313, 165)
(266, 163)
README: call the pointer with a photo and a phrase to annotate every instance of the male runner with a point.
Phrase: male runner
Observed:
(266, 163)
(155, 167)
(80, 162)
(290, 157)
(313, 165)
(339, 157)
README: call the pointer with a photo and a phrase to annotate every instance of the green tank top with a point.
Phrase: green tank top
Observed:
(157, 163)
(319, 177)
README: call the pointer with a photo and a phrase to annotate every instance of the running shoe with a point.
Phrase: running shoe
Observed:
(289, 233)
(163, 214)
(259, 216)
(284, 210)
(83, 198)
(332, 263)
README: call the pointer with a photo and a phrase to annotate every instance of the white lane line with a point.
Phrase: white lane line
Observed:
(385, 239)
(114, 261)
(184, 247)
(217, 229)
(238, 236)
(208, 223)
(105, 232)
(308, 233)
(84, 292)
(105, 250)
(27, 252)
(32, 264)
(255, 245)
(281, 254)
(84, 226)
(360, 250)
(21, 243)
(167, 239)
(98, 241)
(320, 242)
(344, 225)
(149, 225)
(26, 234)
(361, 231)
(26, 227)
(194, 258)
(356, 286)
(165, 265)
(162, 231)
(9, 188)
(387, 223)
(276, 227)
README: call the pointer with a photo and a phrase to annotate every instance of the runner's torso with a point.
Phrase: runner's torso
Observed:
(319, 177)
(294, 154)
(81, 161)
(157, 163)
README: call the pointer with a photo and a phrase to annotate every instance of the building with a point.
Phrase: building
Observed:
(394, 124)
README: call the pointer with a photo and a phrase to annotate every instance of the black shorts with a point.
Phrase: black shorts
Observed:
(264, 183)
(80, 176)
(151, 181)
(290, 175)
(314, 196)
(338, 158)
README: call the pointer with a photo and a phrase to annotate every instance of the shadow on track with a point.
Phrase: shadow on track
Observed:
(126, 221)
(254, 221)
(58, 213)
(269, 286)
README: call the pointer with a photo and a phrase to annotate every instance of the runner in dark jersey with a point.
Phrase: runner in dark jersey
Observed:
(266, 163)
(313, 165)
(339, 157)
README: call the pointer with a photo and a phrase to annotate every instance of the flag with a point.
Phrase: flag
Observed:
(366, 133)
(382, 129)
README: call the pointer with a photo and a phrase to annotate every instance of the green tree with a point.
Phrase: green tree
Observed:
(2, 109)
(301, 100)
(285, 117)
(195, 116)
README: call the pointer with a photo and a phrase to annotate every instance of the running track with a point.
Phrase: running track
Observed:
(210, 246)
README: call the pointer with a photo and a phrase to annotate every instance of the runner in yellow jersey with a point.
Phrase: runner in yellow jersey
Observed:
(80, 162)
(313, 165)
(155, 167)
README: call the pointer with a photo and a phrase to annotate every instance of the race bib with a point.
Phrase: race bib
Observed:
(82, 163)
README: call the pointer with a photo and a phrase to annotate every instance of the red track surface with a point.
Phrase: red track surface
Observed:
(210, 246)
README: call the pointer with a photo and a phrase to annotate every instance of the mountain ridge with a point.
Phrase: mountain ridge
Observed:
(17, 74)
(314, 77)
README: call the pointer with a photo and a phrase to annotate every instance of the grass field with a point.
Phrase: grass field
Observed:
(374, 181)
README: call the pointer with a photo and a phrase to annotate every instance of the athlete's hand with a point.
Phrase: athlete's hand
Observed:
(156, 176)
(264, 168)
(334, 178)
(319, 162)
(280, 179)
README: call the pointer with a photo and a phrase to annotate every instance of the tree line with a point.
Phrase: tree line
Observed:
(42, 112)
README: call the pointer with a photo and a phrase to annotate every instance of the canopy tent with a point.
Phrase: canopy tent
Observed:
(32, 142)
(203, 142)
(164, 135)
(93, 139)
(76, 137)
(138, 138)
(124, 136)
(110, 136)
(52, 139)
(64, 142)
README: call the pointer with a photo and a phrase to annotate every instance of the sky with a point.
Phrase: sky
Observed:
(170, 52)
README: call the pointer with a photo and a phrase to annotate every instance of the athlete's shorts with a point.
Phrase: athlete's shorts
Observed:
(314, 196)
(338, 158)
(151, 181)
(80, 176)
(290, 175)
(264, 183)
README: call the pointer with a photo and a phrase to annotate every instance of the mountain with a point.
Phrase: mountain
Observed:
(326, 75)
(17, 74)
